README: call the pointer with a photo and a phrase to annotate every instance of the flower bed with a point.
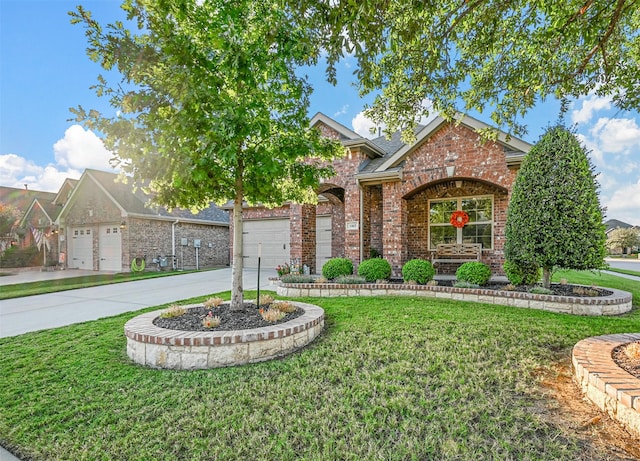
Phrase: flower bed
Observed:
(150, 345)
(618, 302)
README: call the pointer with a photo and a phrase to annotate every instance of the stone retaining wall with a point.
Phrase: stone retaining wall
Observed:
(606, 384)
(158, 347)
(617, 303)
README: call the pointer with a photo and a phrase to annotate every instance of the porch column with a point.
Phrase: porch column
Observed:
(394, 225)
(303, 235)
(352, 224)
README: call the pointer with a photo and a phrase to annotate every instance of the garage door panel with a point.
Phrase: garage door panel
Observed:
(81, 248)
(273, 234)
(110, 248)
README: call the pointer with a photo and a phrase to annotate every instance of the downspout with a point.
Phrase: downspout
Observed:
(173, 244)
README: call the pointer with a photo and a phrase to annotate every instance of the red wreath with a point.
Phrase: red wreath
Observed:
(459, 219)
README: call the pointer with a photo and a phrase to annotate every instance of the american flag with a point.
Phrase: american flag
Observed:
(40, 238)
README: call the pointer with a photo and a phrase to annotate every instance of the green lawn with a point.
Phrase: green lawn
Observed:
(19, 290)
(624, 271)
(389, 379)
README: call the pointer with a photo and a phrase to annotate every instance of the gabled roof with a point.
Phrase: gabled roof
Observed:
(21, 199)
(513, 146)
(343, 131)
(614, 224)
(134, 202)
(65, 190)
(49, 209)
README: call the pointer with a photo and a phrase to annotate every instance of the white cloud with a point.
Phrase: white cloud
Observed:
(13, 167)
(590, 104)
(80, 149)
(342, 111)
(616, 135)
(363, 126)
(625, 203)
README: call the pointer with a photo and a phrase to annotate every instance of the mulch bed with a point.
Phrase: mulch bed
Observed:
(245, 319)
(631, 366)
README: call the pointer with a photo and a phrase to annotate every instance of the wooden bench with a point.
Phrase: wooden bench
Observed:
(456, 253)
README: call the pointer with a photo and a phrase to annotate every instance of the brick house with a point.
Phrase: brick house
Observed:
(395, 199)
(104, 224)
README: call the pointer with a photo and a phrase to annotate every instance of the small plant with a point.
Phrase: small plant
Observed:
(474, 272)
(432, 283)
(321, 280)
(173, 311)
(585, 291)
(271, 315)
(375, 269)
(410, 282)
(284, 306)
(509, 287)
(350, 280)
(335, 267)
(520, 273)
(213, 302)
(632, 350)
(265, 300)
(564, 282)
(462, 284)
(283, 269)
(418, 270)
(540, 291)
(210, 320)
(296, 278)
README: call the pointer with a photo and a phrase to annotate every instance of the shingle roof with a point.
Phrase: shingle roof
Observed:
(135, 201)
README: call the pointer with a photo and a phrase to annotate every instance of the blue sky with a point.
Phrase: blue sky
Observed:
(44, 71)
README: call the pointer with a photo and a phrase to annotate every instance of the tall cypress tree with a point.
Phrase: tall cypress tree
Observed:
(554, 217)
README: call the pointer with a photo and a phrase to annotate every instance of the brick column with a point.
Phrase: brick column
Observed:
(394, 224)
(303, 235)
(352, 224)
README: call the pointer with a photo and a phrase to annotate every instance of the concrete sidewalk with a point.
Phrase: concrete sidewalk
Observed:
(33, 313)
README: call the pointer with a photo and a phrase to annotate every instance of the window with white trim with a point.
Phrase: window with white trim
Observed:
(479, 229)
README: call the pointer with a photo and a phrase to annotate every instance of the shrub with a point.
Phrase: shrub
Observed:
(284, 306)
(336, 267)
(632, 350)
(541, 291)
(350, 279)
(265, 300)
(173, 311)
(375, 269)
(296, 278)
(466, 285)
(418, 270)
(211, 321)
(474, 272)
(272, 315)
(21, 257)
(213, 302)
(521, 273)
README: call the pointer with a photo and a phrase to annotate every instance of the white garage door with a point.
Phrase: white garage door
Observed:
(323, 241)
(81, 247)
(110, 248)
(274, 236)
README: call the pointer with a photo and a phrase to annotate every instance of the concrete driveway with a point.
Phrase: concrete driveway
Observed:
(33, 313)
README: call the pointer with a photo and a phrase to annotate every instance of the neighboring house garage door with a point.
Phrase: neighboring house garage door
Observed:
(81, 248)
(323, 241)
(110, 248)
(274, 236)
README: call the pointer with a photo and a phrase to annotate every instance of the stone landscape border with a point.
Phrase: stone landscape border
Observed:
(607, 385)
(150, 345)
(618, 302)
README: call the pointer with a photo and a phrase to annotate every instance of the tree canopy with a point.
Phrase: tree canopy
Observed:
(554, 216)
(209, 108)
(481, 54)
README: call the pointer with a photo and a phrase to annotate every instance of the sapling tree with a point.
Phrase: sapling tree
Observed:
(209, 108)
(554, 216)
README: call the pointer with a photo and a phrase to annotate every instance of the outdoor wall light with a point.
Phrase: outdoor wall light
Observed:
(123, 225)
(451, 170)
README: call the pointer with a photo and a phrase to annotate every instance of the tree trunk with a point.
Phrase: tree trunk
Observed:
(546, 277)
(237, 295)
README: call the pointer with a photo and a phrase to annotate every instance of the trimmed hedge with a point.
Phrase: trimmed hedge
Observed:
(336, 267)
(474, 272)
(375, 269)
(418, 270)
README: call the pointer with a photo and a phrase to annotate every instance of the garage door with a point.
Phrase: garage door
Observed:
(110, 248)
(81, 248)
(274, 236)
(323, 241)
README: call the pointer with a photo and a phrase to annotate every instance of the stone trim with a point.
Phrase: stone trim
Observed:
(618, 302)
(150, 345)
(607, 385)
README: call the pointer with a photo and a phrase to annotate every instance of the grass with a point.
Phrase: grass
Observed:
(600, 279)
(390, 378)
(624, 271)
(19, 290)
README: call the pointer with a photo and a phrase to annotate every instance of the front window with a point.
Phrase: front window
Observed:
(479, 229)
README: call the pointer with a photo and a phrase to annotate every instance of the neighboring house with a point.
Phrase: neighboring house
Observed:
(101, 223)
(612, 225)
(395, 199)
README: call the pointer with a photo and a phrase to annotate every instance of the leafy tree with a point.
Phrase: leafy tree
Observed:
(623, 238)
(9, 216)
(473, 54)
(209, 107)
(554, 216)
